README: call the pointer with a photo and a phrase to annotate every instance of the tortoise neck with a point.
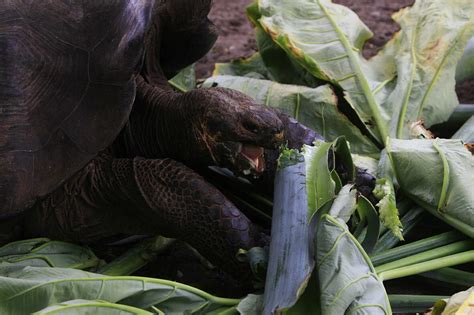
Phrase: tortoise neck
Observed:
(153, 128)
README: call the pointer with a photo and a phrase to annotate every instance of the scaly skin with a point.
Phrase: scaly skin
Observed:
(145, 196)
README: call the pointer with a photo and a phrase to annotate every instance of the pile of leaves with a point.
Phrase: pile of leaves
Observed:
(332, 250)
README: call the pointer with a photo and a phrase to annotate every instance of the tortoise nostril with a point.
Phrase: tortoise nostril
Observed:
(278, 128)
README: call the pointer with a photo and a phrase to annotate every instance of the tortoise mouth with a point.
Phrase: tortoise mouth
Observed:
(250, 159)
(242, 158)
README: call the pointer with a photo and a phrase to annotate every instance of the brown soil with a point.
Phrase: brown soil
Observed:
(237, 38)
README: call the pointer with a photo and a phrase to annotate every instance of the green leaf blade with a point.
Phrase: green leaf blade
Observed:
(336, 54)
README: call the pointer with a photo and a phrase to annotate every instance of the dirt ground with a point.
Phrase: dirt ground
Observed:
(237, 38)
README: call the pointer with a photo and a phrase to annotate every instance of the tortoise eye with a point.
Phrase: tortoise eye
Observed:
(250, 126)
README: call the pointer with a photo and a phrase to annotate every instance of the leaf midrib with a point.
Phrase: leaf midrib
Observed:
(381, 125)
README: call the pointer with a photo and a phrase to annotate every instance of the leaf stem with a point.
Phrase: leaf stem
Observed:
(444, 187)
(447, 261)
(451, 275)
(416, 247)
(412, 303)
(353, 57)
(136, 257)
(427, 255)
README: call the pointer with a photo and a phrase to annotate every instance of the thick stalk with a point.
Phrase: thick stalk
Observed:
(451, 275)
(416, 247)
(136, 257)
(413, 303)
(427, 255)
(448, 261)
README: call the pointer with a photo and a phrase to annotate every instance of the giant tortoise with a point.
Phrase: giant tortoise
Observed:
(93, 141)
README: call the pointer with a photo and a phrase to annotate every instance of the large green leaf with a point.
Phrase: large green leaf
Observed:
(432, 40)
(345, 279)
(25, 290)
(412, 79)
(42, 252)
(327, 40)
(348, 282)
(290, 259)
(313, 107)
(437, 174)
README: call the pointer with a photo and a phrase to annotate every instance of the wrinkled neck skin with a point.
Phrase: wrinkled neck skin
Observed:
(161, 125)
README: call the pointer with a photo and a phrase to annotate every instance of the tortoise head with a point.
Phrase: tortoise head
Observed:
(180, 35)
(234, 130)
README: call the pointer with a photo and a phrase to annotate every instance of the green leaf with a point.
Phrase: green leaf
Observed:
(79, 307)
(42, 252)
(252, 304)
(320, 186)
(465, 66)
(347, 279)
(345, 284)
(345, 203)
(385, 192)
(314, 107)
(466, 132)
(25, 290)
(367, 210)
(411, 80)
(438, 175)
(431, 41)
(327, 39)
(388, 207)
(290, 261)
(185, 80)
(280, 66)
(289, 157)
(252, 67)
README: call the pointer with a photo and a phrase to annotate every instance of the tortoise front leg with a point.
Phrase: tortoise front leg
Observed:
(140, 196)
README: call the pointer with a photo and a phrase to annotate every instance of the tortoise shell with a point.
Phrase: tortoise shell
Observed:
(67, 86)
